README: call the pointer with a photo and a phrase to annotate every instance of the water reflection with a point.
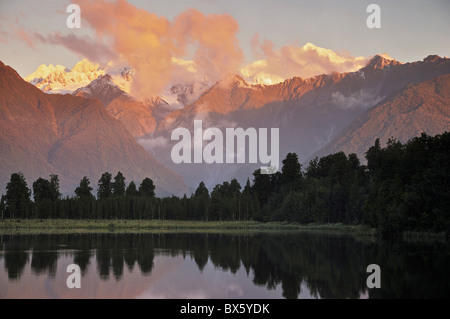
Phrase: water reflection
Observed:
(270, 265)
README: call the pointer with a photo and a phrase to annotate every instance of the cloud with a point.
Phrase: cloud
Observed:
(360, 99)
(191, 47)
(25, 37)
(218, 52)
(84, 46)
(152, 143)
(150, 43)
(289, 61)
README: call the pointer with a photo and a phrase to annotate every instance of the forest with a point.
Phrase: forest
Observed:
(402, 187)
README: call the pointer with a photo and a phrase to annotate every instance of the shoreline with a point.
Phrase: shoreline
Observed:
(84, 225)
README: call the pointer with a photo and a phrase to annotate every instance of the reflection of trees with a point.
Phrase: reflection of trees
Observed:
(329, 266)
(44, 262)
(15, 263)
(130, 257)
(15, 255)
(416, 271)
(103, 255)
(225, 253)
(145, 254)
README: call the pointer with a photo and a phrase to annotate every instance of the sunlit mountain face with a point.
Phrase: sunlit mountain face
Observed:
(43, 134)
(310, 112)
(325, 85)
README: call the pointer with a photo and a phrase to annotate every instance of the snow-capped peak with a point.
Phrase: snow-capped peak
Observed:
(380, 61)
(386, 56)
(59, 79)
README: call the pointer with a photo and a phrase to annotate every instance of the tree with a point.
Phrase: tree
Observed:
(246, 200)
(147, 188)
(235, 188)
(262, 185)
(235, 195)
(42, 190)
(104, 186)
(2, 205)
(18, 196)
(84, 190)
(291, 171)
(54, 188)
(118, 186)
(200, 202)
(201, 190)
(132, 190)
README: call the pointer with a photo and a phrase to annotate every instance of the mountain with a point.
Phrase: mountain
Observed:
(103, 89)
(59, 79)
(137, 116)
(309, 113)
(179, 95)
(409, 112)
(43, 134)
(140, 117)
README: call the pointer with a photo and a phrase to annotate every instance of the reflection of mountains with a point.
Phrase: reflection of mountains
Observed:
(330, 266)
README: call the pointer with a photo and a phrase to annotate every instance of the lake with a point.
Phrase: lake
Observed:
(256, 265)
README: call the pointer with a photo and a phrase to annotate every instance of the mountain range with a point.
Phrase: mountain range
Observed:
(43, 134)
(310, 113)
(83, 133)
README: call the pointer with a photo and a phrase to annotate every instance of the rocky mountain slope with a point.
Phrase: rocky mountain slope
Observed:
(416, 109)
(42, 134)
(310, 113)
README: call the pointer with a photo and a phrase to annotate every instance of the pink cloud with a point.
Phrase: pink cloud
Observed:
(306, 61)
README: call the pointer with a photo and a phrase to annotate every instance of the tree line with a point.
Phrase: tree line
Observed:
(402, 187)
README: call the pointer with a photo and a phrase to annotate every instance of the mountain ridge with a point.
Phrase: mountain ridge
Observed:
(418, 108)
(42, 134)
(310, 112)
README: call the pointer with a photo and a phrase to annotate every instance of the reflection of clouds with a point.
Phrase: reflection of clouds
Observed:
(172, 277)
(187, 282)
(364, 294)
(131, 285)
(236, 289)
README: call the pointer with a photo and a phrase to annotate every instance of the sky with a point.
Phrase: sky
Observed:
(216, 37)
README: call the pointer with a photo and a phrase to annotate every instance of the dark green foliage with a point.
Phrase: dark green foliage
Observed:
(105, 186)
(202, 190)
(131, 190)
(84, 190)
(198, 206)
(118, 186)
(41, 189)
(2, 206)
(410, 185)
(403, 187)
(147, 188)
(18, 197)
(291, 174)
(46, 189)
(54, 187)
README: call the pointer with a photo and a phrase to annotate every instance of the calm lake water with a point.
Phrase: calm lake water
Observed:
(229, 265)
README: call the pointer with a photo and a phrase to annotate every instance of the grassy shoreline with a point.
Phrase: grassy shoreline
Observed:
(67, 225)
(77, 226)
